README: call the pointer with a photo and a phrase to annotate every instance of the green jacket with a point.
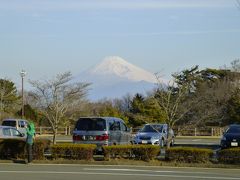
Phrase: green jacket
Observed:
(30, 133)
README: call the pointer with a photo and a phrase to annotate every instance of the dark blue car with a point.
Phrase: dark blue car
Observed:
(231, 138)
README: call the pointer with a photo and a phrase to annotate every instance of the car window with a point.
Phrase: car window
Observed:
(21, 124)
(91, 124)
(15, 132)
(115, 126)
(152, 128)
(9, 123)
(6, 131)
(233, 129)
(110, 123)
(123, 127)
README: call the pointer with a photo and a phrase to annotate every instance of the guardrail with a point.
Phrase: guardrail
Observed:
(207, 131)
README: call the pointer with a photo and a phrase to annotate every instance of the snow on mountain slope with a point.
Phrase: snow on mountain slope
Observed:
(117, 66)
(114, 77)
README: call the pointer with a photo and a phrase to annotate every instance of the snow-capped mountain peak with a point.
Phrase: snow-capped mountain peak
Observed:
(117, 66)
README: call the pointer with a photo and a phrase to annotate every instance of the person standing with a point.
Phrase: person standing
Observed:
(29, 141)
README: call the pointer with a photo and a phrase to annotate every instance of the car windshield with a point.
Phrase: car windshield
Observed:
(9, 123)
(234, 130)
(152, 128)
(91, 124)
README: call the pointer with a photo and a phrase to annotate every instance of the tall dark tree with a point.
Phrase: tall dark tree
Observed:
(233, 108)
(9, 99)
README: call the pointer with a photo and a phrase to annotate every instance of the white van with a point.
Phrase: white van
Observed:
(19, 124)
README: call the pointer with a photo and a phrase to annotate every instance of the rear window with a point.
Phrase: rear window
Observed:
(9, 123)
(91, 124)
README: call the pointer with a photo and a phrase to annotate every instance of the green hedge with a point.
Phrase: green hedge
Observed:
(188, 155)
(12, 148)
(39, 147)
(15, 148)
(73, 151)
(138, 152)
(231, 156)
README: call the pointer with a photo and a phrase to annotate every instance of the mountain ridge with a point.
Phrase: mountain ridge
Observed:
(114, 77)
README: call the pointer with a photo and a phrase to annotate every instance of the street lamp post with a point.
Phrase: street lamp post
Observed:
(23, 74)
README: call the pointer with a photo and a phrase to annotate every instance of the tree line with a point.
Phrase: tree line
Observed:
(193, 98)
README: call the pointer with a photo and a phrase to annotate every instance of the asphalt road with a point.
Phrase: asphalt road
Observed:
(93, 172)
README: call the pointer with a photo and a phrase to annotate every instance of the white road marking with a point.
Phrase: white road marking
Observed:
(142, 170)
(120, 174)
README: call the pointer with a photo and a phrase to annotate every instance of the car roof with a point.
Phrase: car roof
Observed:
(6, 127)
(106, 118)
(15, 120)
(155, 124)
(234, 125)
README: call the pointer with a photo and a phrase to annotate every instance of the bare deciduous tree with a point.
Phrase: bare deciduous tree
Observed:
(172, 102)
(57, 96)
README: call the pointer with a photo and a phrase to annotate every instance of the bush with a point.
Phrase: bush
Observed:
(15, 148)
(12, 148)
(73, 151)
(121, 151)
(188, 155)
(145, 152)
(139, 152)
(231, 155)
(39, 147)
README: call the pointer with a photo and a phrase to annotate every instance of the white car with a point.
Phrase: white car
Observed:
(7, 132)
(19, 124)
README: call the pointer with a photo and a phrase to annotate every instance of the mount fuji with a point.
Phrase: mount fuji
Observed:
(114, 77)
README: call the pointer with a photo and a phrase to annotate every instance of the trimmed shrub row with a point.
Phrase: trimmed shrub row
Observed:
(14, 148)
(138, 152)
(73, 151)
(188, 155)
(229, 156)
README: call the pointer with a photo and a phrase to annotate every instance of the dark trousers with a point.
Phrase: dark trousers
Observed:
(29, 153)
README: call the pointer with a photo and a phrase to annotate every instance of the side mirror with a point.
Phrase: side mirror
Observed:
(164, 131)
(22, 135)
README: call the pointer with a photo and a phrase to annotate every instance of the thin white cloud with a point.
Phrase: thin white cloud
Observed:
(193, 32)
(66, 5)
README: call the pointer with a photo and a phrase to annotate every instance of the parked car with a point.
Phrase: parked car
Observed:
(19, 124)
(231, 137)
(102, 131)
(7, 132)
(155, 134)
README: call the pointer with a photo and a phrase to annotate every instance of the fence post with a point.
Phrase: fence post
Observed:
(212, 132)
(40, 130)
(195, 131)
(66, 129)
(69, 130)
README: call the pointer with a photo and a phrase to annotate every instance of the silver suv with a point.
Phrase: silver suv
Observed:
(102, 131)
(155, 134)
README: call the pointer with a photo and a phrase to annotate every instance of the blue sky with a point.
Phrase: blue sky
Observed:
(46, 37)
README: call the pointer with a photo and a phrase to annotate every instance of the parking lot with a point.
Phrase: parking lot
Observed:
(195, 141)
